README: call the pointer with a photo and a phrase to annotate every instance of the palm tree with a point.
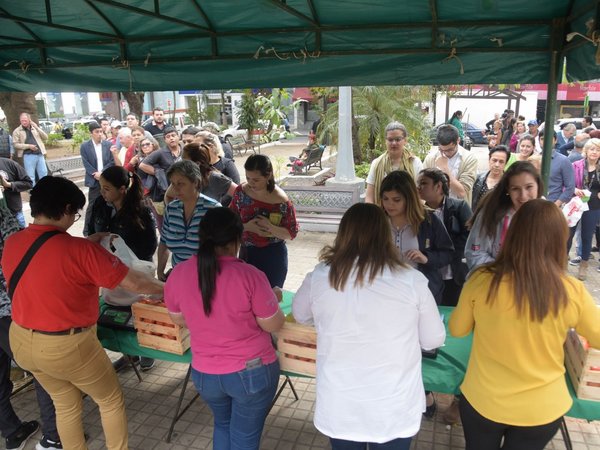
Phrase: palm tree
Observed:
(373, 108)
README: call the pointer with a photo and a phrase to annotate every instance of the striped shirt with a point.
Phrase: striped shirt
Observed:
(181, 238)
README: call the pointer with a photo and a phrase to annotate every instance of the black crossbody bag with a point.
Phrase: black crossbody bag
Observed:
(18, 273)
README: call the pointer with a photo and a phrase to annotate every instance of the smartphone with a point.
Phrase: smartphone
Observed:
(253, 363)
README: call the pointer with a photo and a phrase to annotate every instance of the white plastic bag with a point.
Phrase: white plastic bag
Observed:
(120, 296)
(574, 209)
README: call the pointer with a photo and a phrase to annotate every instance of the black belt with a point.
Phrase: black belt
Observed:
(62, 332)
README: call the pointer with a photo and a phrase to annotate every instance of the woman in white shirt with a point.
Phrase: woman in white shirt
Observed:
(373, 314)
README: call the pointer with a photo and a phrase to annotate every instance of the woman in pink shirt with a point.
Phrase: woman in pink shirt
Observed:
(230, 309)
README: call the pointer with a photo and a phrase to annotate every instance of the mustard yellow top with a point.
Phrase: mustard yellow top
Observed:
(516, 368)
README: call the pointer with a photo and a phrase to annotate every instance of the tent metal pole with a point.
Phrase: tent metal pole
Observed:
(555, 60)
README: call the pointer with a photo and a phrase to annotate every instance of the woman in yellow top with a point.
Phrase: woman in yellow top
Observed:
(520, 308)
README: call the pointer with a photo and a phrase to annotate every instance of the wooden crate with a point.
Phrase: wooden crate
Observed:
(297, 347)
(583, 367)
(156, 330)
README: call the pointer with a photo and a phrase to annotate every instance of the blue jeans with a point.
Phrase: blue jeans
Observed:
(396, 444)
(272, 260)
(35, 163)
(20, 218)
(588, 223)
(240, 402)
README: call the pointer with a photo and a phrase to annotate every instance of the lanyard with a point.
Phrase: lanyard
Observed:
(505, 225)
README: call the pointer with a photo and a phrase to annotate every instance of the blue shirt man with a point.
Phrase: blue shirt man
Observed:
(561, 183)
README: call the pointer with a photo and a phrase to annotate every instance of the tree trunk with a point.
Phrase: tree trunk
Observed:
(15, 103)
(356, 141)
(136, 102)
(223, 112)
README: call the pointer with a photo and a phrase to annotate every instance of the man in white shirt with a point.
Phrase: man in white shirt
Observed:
(96, 156)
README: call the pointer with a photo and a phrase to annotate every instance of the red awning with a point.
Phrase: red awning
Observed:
(302, 94)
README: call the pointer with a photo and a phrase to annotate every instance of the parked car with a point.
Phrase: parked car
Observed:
(46, 125)
(239, 131)
(475, 133)
(559, 124)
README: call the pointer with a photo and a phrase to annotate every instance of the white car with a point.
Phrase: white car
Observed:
(233, 131)
(560, 123)
(47, 126)
(239, 131)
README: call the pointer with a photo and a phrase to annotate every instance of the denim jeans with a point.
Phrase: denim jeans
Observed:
(588, 223)
(272, 260)
(20, 218)
(240, 402)
(395, 444)
(35, 163)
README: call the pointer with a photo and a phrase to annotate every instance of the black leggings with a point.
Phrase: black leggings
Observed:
(485, 434)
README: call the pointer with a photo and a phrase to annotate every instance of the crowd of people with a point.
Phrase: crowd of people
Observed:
(430, 233)
(472, 240)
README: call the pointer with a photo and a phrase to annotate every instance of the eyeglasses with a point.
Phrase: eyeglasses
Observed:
(146, 144)
(77, 217)
(392, 140)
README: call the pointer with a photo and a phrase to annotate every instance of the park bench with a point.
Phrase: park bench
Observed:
(314, 159)
(239, 144)
(69, 167)
(320, 208)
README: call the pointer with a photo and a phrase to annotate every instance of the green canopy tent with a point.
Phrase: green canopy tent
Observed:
(143, 45)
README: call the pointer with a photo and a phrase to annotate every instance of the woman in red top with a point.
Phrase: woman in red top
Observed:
(269, 219)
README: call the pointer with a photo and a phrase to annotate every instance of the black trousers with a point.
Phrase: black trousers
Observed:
(93, 194)
(485, 434)
(9, 422)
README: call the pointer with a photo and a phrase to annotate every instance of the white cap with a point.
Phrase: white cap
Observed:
(115, 124)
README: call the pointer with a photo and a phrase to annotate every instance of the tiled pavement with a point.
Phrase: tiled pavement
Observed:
(289, 426)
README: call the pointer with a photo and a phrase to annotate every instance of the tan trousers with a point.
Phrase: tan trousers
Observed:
(66, 366)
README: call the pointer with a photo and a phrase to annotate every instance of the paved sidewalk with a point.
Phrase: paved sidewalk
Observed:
(289, 425)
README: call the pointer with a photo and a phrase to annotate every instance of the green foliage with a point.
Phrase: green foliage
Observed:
(272, 108)
(362, 170)
(194, 111)
(81, 133)
(376, 106)
(279, 165)
(56, 115)
(248, 112)
(53, 139)
(211, 113)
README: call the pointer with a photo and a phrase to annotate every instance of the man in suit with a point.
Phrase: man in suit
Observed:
(96, 157)
(566, 135)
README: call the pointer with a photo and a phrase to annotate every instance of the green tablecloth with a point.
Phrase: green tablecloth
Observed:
(446, 372)
(126, 341)
(443, 374)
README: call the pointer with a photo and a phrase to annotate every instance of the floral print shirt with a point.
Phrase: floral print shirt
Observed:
(280, 214)
(8, 226)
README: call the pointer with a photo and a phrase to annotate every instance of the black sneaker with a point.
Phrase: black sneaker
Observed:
(146, 363)
(120, 363)
(48, 444)
(18, 439)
